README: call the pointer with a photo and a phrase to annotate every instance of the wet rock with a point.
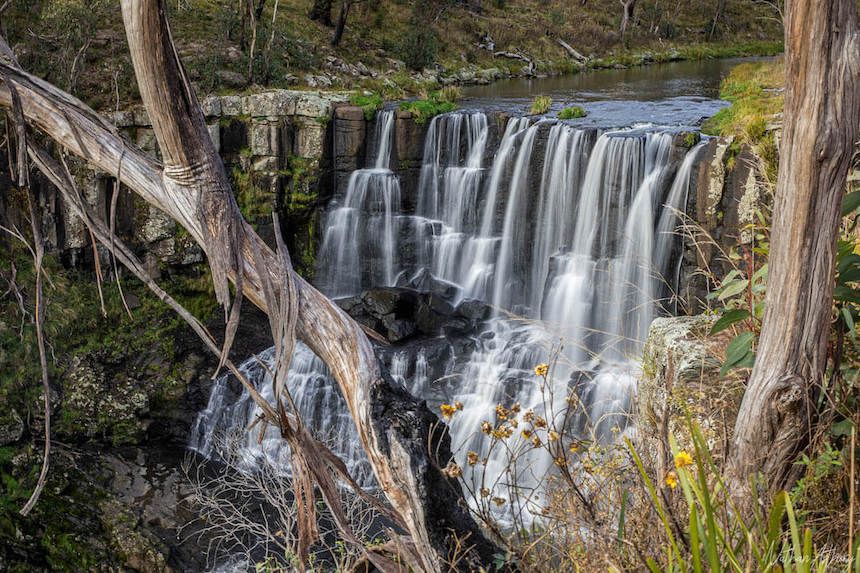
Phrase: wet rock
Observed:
(402, 313)
(424, 281)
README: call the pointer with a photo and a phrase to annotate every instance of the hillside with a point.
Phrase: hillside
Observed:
(80, 45)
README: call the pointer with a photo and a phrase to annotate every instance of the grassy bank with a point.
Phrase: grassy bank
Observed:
(80, 45)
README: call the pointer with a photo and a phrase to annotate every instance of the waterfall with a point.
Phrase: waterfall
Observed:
(317, 397)
(570, 228)
(358, 247)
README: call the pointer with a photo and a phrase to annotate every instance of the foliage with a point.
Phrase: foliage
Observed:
(755, 93)
(420, 43)
(574, 112)
(715, 537)
(540, 105)
(424, 109)
(369, 102)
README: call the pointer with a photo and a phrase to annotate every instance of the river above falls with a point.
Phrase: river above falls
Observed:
(673, 93)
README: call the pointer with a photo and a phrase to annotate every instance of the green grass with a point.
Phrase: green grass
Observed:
(574, 112)
(540, 105)
(370, 103)
(436, 103)
(755, 91)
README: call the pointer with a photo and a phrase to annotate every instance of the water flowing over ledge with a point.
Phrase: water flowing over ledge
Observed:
(566, 232)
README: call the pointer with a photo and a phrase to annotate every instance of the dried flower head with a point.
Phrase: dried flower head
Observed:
(452, 470)
(542, 369)
(447, 410)
(472, 458)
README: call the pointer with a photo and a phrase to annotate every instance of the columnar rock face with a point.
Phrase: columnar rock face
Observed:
(730, 190)
(287, 151)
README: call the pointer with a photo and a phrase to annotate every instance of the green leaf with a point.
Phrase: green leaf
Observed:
(729, 318)
(849, 320)
(842, 428)
(732, 288)
(850, 203)
(739, 353)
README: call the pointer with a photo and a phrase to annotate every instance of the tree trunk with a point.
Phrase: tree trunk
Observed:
(397, 431)
(627, 7)
(341, 22)
(321, 12)
(822, 116)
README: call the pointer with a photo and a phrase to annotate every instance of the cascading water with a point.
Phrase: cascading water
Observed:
(358, 249)
(576, 240)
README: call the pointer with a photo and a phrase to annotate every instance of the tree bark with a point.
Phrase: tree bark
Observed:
(342, 16)
(397, 431)
(822, 117)
(627, 8)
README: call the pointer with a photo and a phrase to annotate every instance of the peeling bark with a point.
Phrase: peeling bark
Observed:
(822, 117)
(192, 187)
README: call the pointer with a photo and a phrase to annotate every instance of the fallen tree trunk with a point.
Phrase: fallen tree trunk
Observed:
(397, 431)
(580, 59)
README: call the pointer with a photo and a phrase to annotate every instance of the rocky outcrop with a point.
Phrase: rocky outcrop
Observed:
(400, 313)
(680, 380)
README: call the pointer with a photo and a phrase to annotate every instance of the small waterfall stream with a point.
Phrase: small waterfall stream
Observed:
(570, 229)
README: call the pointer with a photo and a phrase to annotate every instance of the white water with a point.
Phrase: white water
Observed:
(581, 248)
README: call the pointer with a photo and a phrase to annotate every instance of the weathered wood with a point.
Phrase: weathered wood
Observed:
(822, 117)
(397, 431)
(580, 59)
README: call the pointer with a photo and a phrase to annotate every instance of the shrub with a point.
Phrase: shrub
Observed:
(574, 112)
(449, 94)
(540, 105)
(420, 44)
(424, 109)
(370, 103)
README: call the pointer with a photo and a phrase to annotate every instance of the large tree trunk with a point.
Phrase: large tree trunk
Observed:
(822, 116)
(396, 430)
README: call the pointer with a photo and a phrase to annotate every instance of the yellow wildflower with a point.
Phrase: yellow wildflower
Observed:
(529, 416)
(559, 461)
(500, 501)
(536, 442)
(574, 447)
(527, 434)
(683, 459)
(516, 408)
(472, 458)
(540, 422)
(542, 369)
(486, 427)
(671, 479)
(452, 470)
(552, 436)
(447, 410)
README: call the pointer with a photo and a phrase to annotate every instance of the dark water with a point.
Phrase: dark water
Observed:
(677, 93)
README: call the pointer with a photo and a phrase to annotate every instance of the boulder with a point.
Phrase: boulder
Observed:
(400, 313)
(680, 378)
